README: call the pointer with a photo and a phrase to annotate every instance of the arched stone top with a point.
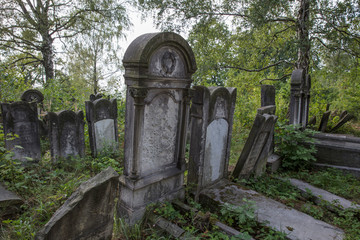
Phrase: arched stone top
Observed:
(159, 56)
(297, 77)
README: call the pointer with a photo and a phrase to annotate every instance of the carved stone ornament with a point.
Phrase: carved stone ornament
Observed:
(168, 63)
(138, 92)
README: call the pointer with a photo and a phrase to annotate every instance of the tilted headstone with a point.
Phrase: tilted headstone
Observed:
(212, 112)
(299, 97)
(344, 119)
(324, 121)
(66, 134)
(258, 145)
(158, 69)
(88, 214)
(101, 115)
(9, 202)
(21, 118)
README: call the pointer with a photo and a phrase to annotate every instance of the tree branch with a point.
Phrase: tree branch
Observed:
(275, 79)
(260, 69)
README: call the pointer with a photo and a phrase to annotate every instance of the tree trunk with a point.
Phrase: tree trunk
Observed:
(303, 61)
(48, 57)
(95, 79)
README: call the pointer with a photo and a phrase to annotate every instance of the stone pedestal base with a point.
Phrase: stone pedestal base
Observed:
(135, 195)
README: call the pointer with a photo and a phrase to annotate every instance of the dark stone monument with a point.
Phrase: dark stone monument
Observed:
(21, 118)
(101, 115)
(158, 69)
(32, 95)
(88, 214)
(212, 112)
(258, 146)
(299, 97)
(267, 95)
(344, 118)
(66, 134)
(324, 121)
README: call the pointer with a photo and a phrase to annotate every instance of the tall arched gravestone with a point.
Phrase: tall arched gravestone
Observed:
(66, 134)
(158, 69)
(101, 115)
(212, 112)
(21, 118)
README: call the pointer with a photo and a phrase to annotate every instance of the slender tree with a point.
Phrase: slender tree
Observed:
(32, 26)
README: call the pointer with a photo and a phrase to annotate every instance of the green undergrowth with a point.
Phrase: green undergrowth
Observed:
(44, 187)
(331, 180)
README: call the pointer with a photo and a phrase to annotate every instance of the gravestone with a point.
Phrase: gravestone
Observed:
(32, 95)
(20, 118)
(267, 95)
(258, 146)
(324, 121)
(299, 97)
(101, 115)
(9, 202)
(212, 112)
(344, 118)
(158, 69)
(66, 134)
(88, 214)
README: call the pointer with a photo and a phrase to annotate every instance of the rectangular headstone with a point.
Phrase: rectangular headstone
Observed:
(212, 113)
(267, 95)
(258, 146)
(158, 69)
(66, 134)
(88, 214)
(101, 115)
(21, 118)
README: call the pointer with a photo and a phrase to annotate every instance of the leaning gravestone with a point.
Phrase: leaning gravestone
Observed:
(9, 202)
(66, 134)
(158, 69)
(212, 112)
(101, 115)
(20, 118)
(324, 121)
(258, 145)
(88, 214)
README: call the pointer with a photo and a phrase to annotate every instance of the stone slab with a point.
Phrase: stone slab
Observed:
(295, 224)
(273, 163)
(348, 170)
(322, 195)
(88, 214)
(104, 134)
(9, 202)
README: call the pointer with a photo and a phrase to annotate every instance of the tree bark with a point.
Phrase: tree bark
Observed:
(48, 57)
(303, 61)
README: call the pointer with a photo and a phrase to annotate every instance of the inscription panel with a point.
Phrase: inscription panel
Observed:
(104, 134)
(68, 143)
(160, 134)
(167, 62)
(215, 150)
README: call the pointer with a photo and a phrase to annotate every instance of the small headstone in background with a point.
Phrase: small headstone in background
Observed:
(21, 118)
(88, 214)
(324, 121)
(9, 202)
(101, 115)
(66, 134)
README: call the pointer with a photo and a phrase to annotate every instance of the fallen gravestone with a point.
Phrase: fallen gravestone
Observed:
(258, 146)
(9, 202)
(21, 118)
(88, 214)
(101, 115)
(295, 224)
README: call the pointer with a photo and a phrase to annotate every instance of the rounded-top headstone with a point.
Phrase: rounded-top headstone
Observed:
(158, 56)
(32, 95)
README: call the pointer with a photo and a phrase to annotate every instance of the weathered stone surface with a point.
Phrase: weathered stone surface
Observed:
(273, 163)
(258, 146)
(211, 116)
(343, 119)
(299, 97)
(21, 118)
(158, 69)
(66, 134)
(346, 170)
(321, 195)
(267, 95)
(101, 115)
(295, 224)
(336, 149)
(32, 95)
(324, 121)
(88, 214)
(9, 202)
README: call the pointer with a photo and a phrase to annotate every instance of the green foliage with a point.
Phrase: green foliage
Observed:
(295, 146)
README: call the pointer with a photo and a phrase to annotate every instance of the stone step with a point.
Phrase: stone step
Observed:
(322, 195)
(295, 224)
(347, 170)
